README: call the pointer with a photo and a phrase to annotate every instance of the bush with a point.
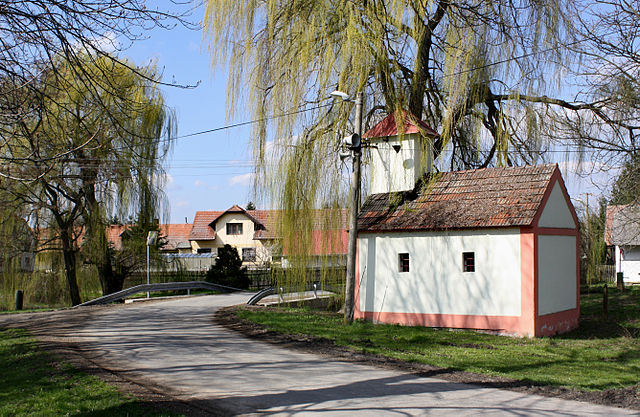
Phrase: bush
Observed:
(228, 269)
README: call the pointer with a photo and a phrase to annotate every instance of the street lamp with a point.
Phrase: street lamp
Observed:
(355, 147)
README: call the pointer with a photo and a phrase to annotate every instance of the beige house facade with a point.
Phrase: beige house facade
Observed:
(245, 230)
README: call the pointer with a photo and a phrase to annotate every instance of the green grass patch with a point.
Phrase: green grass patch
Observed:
(601, 354)
(33, 384)
(27, 310)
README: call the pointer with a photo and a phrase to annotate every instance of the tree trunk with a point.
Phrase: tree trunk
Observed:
(110, 281)
(69, 255)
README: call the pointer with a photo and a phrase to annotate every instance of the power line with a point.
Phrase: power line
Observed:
(252, 121)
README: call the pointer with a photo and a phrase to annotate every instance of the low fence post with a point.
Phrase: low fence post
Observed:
(605, 301)
(620, 280)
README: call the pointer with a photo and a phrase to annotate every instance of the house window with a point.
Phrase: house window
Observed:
(248, 254)
(403, 262)
(468, 261)
(204, 250)
(234, 228)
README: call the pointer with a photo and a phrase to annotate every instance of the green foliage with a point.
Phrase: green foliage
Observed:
(228, 269)
(100, 133)
(33, 384)
(601, 354)
(450, 64)
(118, 264)
(593, 246)
(626, 189)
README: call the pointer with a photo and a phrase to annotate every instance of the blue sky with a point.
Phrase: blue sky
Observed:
(213, 171)
(209, 171)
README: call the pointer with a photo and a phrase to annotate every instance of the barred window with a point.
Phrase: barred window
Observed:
(403, 262)
(468, 261)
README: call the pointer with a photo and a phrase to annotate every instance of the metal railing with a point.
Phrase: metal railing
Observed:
(315, 287)
(163, 286)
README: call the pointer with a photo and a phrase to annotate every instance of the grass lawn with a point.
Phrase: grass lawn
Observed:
(601, 354)
(33, 384)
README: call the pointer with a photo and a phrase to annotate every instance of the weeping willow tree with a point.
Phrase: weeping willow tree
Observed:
(83, 143)
(476, 71)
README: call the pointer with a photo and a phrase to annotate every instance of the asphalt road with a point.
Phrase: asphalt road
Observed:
(174, 344)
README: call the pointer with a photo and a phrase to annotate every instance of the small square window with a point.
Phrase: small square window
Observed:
(468, 261)
(234, 228)
(403, 262)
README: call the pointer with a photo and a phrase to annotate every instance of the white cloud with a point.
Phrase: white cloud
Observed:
(194, 47)
(244, 179)
(198, 183)
(182, 204)
(107, 43)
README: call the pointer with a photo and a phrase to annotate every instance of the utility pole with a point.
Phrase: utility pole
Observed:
(349, 291)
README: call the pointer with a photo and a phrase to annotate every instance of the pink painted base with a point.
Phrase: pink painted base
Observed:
(547, 325)
(556, 323)
(501, 324)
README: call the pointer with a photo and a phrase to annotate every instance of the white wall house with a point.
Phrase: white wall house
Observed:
(622, 231)
(493, 249)
(240, 228)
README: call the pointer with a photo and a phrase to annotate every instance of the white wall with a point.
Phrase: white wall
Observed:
(556, 212)
(630, 263)
(556, 273)
(436, 283)
(397, 171)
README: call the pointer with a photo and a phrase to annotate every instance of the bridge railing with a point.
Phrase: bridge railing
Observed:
(162, 286)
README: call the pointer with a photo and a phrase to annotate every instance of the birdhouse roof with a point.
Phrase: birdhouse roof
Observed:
(388, 127)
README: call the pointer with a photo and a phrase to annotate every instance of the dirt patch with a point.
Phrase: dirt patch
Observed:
(619, 397)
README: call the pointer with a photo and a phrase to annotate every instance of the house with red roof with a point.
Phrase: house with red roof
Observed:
(176, 236)
(253, 233)
(246, 230)
(492, 249)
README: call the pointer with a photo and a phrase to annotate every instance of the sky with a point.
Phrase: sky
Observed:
(213, 171)
(204, 172)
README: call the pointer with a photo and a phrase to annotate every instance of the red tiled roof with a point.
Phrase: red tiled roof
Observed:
(389, 127)
(608, 223)
(201, 229)
(269, 219)
(174, 234)
(490, 197)
(334, 242)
